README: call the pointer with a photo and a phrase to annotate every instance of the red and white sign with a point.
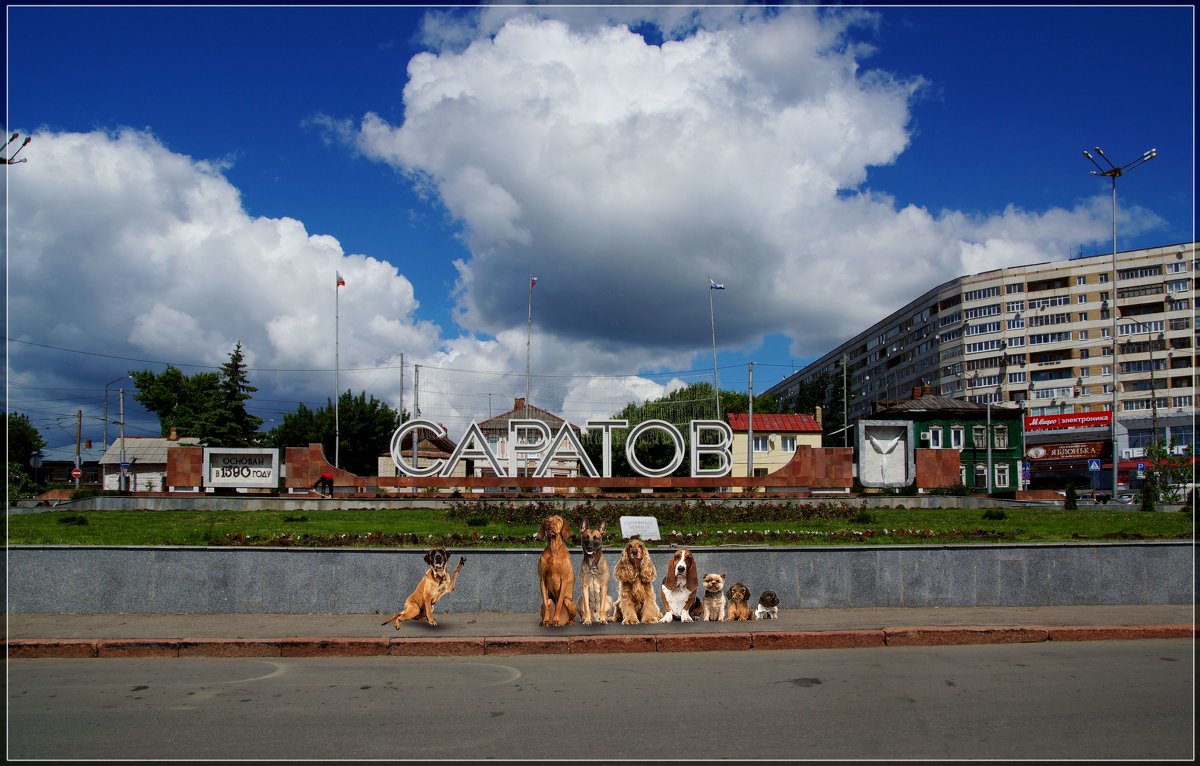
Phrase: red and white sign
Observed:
(76, 473)
(1072, 420)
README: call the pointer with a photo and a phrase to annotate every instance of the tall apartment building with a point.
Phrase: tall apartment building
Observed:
(1041, 335)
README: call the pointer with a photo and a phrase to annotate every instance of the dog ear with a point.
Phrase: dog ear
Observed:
(582, 525)
(429, 557)
(601, 527)
(566, 529)
(692, 582)
(670, 582)
(541, 533)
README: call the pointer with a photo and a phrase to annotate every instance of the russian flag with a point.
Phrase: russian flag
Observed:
(533, 281)
(340, 282)
(714, 286)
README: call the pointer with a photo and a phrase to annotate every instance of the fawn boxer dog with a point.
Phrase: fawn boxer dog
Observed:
(435, 584)
(555, 575)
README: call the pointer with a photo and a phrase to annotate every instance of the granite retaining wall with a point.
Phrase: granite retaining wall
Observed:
(172, 580)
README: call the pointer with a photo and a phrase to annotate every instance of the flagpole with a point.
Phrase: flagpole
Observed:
(713, 321)
(528, 337)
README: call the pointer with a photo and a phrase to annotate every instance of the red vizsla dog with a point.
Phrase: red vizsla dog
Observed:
(556, 576)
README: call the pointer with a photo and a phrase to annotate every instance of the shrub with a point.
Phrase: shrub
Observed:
(477, 521)
(1072, 501)
(78, 521)
(995, 514)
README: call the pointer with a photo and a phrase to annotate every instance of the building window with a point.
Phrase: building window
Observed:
(1084, 353)
(760, 471)
(1081, 280)
(935, 437)
(962, 475)
(787, 443)
(980, 476)
(1104, 279)
(1083, 334)
(1001, 475)
(1083, 299)
(1001, 437)
(956, 439)
(760, 444)
(979, 437)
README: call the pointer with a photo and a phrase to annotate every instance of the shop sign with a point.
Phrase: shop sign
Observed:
(1076, 451)
(1069, 420)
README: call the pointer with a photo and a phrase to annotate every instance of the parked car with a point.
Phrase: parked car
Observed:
(1127, 498)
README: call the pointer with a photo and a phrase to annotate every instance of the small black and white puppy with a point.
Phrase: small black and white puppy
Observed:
(768, 606)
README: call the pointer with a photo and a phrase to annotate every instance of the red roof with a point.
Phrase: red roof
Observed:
(739, 421)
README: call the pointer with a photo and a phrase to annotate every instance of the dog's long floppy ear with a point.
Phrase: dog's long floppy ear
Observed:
(541, 533)
(693, 582)
(429, 557)
(671, 582)
(565, 530)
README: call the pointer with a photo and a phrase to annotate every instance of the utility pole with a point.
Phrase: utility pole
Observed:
(416, 408)
(750, 427)
(78, 438)
(121, 474)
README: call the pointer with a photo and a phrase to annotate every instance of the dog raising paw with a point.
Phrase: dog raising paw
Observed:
(433, 585)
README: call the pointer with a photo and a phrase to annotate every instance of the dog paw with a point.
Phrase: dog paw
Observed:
(666, 617)
(686, 617)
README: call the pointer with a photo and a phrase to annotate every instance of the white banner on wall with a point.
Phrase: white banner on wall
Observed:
(241, 467)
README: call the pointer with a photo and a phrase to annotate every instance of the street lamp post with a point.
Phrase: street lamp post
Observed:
(106, 385)
(1114, 172)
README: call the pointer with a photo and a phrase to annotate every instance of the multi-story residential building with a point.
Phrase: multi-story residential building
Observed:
(1041, 334)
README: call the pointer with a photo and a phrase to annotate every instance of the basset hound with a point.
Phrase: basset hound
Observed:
(679, 587)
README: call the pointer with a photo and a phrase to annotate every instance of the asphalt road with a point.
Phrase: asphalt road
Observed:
(1088, 700)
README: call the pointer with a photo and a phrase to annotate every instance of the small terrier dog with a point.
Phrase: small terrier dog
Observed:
(739, 602)
(768, 606)
(711, 608)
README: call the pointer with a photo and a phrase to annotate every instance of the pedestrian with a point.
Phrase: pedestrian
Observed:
(324, 485)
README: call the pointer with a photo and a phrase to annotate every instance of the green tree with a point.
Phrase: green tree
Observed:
(187, 403)
(1167, 474)
(23, 439)
(210, 406)
(365, 425)
(234, 426)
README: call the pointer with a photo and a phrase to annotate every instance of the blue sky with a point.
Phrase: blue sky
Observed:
(198, 175)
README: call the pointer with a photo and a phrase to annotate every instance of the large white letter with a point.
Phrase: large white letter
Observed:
(473, 446)
(606, 427)
(516, 449)
(398, 439)
(722, 449)
(631, 445)
(566, 433)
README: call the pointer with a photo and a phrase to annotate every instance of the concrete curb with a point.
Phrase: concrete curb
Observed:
(298, 646)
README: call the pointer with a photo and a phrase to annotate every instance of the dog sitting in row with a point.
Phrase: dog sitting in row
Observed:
(636, 577)
(555, 574)
(711, 608)
(679, 587)
(594, 602)
(739, 602)
(768, 606)
(432, 586)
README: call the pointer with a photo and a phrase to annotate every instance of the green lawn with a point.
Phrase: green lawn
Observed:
(419, 527)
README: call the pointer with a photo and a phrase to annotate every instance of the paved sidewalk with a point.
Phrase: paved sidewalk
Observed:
(470, 633)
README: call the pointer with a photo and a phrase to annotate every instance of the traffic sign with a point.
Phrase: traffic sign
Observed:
(1093, 465)
(76, 473)
(125, 466)
(1141, 467)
